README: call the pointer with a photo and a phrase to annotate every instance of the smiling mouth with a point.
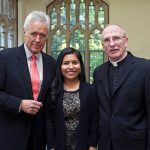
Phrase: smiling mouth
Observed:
(70, 73)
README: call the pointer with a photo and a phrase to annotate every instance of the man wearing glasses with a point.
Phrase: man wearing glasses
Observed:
(25, 75)
(123, 90)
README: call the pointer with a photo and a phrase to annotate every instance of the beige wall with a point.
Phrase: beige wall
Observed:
(133, 15)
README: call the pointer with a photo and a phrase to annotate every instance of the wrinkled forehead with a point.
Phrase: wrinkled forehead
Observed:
(112, 30)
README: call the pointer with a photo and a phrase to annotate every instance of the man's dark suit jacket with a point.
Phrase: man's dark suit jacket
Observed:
(88, 121)
(15, 85)
(125, 116)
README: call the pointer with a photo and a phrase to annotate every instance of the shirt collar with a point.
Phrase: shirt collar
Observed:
(115, 63)
(29, 53)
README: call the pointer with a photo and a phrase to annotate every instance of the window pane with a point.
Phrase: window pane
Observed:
(53, 18)
(8, 24)
(101, 17)
(58, 43)
(77, 40)
(72, 14)
(82, 14)
(96, 58)
(91, 15)
(63, 15)
(78, 23)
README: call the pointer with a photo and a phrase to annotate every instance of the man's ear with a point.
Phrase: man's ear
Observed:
(23, 31)
(126, 42)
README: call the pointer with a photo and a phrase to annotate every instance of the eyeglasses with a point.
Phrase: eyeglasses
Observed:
(41, 35)
(115, 39)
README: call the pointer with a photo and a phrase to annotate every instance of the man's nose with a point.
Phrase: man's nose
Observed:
(112, 43)
(37, 38)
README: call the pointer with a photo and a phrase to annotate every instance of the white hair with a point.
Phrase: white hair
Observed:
(39, 16)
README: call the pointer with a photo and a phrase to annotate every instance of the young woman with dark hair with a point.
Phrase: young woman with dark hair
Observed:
(72, 109)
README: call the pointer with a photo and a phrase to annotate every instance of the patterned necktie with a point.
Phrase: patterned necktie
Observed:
(35, 79)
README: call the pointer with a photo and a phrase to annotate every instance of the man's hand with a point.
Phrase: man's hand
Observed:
(92, 148)
(30, 106)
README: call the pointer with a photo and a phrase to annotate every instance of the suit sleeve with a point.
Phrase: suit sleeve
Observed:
(94, 118)
(8, 102)
(147, 98)
(50, 125)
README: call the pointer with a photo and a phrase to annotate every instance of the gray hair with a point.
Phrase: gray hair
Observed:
(116, 25)
(39, 16)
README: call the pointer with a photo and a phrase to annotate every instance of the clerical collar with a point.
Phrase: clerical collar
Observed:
(115, 63)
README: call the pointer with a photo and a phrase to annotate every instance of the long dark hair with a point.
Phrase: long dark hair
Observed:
(57, 84)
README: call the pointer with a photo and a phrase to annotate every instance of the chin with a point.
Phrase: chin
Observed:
(71, 78)
(114, 56)
(35, 51)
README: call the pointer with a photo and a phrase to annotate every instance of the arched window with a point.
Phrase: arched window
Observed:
(8, 23)
(78, 23)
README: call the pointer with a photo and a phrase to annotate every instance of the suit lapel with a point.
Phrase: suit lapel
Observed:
(24, 70)
(105, 79)
(45, 83)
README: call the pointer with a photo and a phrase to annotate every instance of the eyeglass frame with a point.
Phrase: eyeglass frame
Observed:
(115, 39)
(42, 35)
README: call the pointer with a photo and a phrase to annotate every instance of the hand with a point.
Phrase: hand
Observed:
(30, 106)
(92, 148)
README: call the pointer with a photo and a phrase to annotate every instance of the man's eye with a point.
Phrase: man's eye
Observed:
(106, 40)
(43, 35)
(116, 38)
(33, 33)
